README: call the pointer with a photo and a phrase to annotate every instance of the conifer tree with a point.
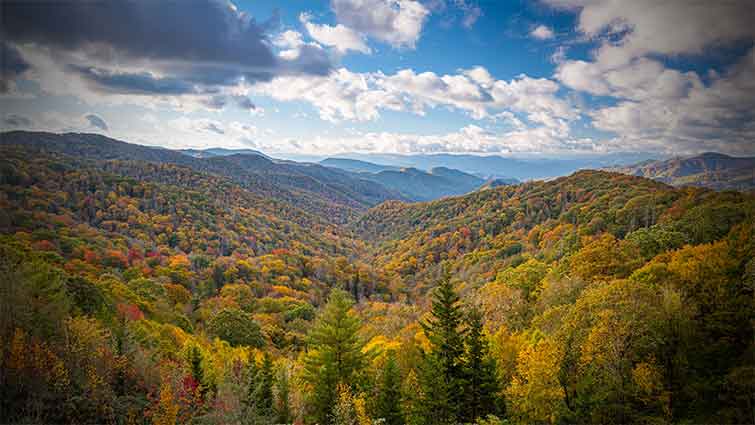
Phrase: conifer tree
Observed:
(335, 355)
(442, 371)
(480, 372)
(388, 404)
(263, 392)
(194, 357)
(282, 397)
(411, 400)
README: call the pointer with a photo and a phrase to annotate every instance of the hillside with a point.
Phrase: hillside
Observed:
(210, 152)
(412, 183)
(326, 192)
(713, 170)
(147, 284)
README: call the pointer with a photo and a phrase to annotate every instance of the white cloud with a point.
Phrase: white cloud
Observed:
(396, 22)
(339, 37)
(541, 32)
(657, 107)
(468, 139)
(668, 27)
(345, 95)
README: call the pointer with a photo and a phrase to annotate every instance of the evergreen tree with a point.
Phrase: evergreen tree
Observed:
(411, 400)
(480, 372)
(442, 372)
(388, 404)
(282, 397)
(335, 355)
(263, 392)
(194, 357)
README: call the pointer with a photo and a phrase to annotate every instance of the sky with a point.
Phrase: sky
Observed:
(550, 78)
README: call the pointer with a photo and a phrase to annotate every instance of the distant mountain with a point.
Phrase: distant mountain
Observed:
(496, 166)
(332, 194)
(712, 170)
(211, 152)
(419, 185)
(493, 183)
(356, 166)
(415, 184)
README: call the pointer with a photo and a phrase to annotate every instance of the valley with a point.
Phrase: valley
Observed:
(149, 284)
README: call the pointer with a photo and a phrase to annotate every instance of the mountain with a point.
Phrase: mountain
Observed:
(134, 285)
(713, 170)
(419, 185)
(210, 152)
(495, 166)
(355, 165)
(414, 184)
(493, 183)
(330, 193)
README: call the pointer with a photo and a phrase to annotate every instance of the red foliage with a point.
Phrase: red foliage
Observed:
(44, 245)
(130, 312)
(280, 251)
(134, 255)
(91, 257)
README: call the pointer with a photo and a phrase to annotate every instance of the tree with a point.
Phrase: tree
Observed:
(194, 357)
(388, 404)
(411, 400)
(237, 327)
(442, 374)
(480, 371)
(282, 397)
(535, 394)
(335, 356)
(262, 397)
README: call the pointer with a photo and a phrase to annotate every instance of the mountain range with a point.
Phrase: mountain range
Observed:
(712, 170)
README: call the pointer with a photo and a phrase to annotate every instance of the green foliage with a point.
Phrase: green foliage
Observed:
(388, 404)
(335, 354)
(237, 327)
(442, 376)
(604, 298)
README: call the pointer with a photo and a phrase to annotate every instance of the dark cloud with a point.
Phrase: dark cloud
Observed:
(96, 121)
(17, 121)
(199, 31)
(194, 46)
(244, 102)
(12, 65)
(134, 83)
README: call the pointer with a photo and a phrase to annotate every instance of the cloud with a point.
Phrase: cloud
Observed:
(541, 32)
(341, 38)
(641, 27)
(143, 47)
(657, 107)
(96, 121)
(471, 12)
(396, 22)
(13, 65)
(17, 121)
(350, 96)
(468, 139)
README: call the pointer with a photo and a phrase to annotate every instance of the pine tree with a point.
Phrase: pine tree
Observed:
(411, 400)
(388, 404)
(194, 357)
(442, 374)
(282, 397)
(480, 372)
(335, 355)
(263, 392)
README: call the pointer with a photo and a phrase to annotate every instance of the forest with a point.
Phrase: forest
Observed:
(156, 290)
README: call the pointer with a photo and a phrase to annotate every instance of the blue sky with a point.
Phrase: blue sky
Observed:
(517, 78)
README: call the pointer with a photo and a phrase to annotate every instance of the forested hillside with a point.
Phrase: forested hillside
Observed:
(713, 170)
(151, 287)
